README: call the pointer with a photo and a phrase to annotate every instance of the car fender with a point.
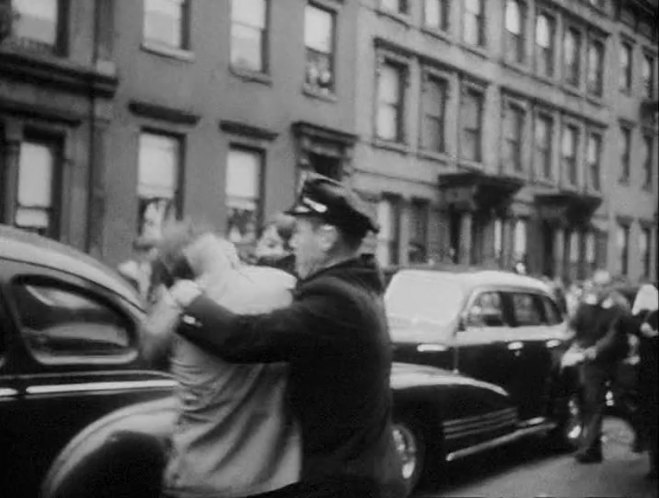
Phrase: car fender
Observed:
(121, 454)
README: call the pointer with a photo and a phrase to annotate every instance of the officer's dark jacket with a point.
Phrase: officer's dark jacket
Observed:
(336, 339)
(600, 324)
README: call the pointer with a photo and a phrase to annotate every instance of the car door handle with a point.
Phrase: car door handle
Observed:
(515, 345)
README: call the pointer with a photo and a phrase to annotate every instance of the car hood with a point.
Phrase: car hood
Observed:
(407, 375)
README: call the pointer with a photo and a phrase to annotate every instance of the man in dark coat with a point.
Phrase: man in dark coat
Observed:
(336, 339)
(598, 331)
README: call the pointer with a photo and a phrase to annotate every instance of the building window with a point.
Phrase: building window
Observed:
(543, 133)
(498, 240)
(434, 106)
(389, 124)
(569, 153)
(388, 236)
(38, 23)
(590, 252)
(418, 246)
(158, 180)
(471, 110)
(544, 45)
(37, 203)
(623, 248)
(648, 76)
(647, 161)
(319, 43)
(626, 68)
(243, 194)
(594, 158)
(515, 35)
(513, 130)
(166, 23)
(436, 14)
(595, 67)
(573, 247)
(571, 56)
(625, 152)
(249, 34)
(398, 6)
(473, 22)
(644, 243)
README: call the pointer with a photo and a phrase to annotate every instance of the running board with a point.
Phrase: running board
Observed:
(501, 440)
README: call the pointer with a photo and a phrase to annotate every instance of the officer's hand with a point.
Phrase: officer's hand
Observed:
(590, 353)
(648, 331)
(184, 292)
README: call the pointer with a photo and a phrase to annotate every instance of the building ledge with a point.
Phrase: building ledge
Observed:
(164, 113)
(247, 130)
(57, 72)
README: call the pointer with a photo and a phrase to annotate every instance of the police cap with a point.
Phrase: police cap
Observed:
(334, 203)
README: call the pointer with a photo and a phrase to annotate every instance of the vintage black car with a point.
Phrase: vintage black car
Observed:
(81, 415)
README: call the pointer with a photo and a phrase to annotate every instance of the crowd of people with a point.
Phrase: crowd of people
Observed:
(608, 329)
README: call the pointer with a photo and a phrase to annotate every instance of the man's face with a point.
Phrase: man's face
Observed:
(310, 246)
(270, 244)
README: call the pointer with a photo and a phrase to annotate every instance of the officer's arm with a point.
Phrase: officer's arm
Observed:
(310, 326)
(615, 339)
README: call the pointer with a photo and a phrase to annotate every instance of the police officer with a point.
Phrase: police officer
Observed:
(335, 337)
(597, 325)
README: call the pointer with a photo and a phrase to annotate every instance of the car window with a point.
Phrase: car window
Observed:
(526, 309)
(60, 323)
(552, 314)
(486, 311)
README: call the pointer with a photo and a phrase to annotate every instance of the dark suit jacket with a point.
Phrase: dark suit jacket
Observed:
(336, 339)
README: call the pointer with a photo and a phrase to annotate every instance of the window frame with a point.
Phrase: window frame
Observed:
(166, 48)
(480, 20)
(648, 163)
(513, 106)
(578, 65)
(544, 171)
(520, 40)
(443, 80)
(60, 47)
(445, 16)
(646, 256)
(402, 66)
(623, 228)
(469, 88)
(596, 88)
(650, 60)
(419, 206)
(594, 181)
(626, 75)
(309, 88)
(538, 49)
(625, 130)
(264, 41)
(392, 244)
(573, 163)
(403, 8)
(177, 202)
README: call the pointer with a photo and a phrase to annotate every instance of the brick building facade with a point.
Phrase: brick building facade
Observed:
(484, 132)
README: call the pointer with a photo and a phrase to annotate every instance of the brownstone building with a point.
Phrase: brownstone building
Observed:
(503, 131)
(116, 115)
(484, 132)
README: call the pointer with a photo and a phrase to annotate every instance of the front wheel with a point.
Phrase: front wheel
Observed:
(411, 448)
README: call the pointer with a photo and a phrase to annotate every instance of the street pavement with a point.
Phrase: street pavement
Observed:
(528, 469)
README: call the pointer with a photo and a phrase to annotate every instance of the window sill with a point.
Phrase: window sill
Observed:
(403, 19)
(170, 52)
(595, 99)
(251, 75)
(520, 67)
(550, 80)
(470, 165)
(399, 147)
(318, 94)
(547, 182)
(478, 50)
(571, 89)
(441, 34)
(441, 157)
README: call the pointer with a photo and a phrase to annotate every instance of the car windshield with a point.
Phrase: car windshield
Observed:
(420, 305)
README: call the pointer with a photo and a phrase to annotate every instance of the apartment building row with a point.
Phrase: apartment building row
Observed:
(482, 132)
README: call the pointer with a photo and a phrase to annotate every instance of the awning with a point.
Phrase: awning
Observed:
(567, 207)
(473, 190)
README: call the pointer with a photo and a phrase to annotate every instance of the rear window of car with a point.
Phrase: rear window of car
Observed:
(486, 311)
(61, 323)
(552, 313)
(527, 309)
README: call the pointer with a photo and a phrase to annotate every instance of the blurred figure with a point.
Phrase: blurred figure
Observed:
(598, 332)
(274, 245)
(138, 271)
(234, 434)
(644, 326)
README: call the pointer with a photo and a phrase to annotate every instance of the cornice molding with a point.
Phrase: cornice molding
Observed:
(321, 132)
(56, 72)
(163, 113)
(40, 111)
(247, 130)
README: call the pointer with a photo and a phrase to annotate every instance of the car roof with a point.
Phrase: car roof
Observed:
(20, 245)
(471, 278)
